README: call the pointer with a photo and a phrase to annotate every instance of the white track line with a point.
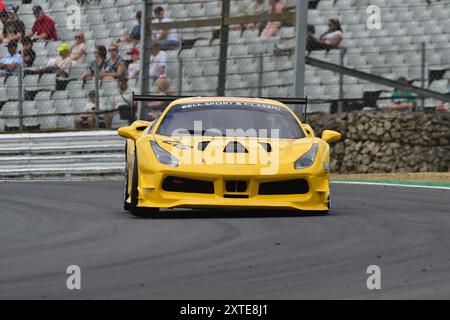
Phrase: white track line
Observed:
(383, 184)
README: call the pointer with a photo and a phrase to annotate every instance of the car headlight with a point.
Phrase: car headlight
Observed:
(163, 156)
(307, 160)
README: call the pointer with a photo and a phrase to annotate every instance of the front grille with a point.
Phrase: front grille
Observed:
(174, 184)
(299, 186)
(236, 196)
(236, 186)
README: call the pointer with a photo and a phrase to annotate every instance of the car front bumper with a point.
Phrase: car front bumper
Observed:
(152, 193)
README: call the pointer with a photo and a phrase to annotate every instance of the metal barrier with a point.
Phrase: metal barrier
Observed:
(67, 155)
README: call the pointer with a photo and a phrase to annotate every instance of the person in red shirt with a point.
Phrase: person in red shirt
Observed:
(2, 6)
(43, 27)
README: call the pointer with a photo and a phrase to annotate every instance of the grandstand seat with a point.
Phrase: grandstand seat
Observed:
(79, 105)
(43, 96)
(77, 70)
(47, 82)
(12, 88)
(30, 82)
(3, 90)
(45, 107)
(441, 86)
(59, 96)
(29, 109)
(65, 122)
(75, 90)
(10, 109)
(109, 87)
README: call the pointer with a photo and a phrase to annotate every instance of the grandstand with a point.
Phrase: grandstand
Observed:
(254, 66)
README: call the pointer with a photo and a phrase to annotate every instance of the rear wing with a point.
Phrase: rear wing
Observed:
(151, 98)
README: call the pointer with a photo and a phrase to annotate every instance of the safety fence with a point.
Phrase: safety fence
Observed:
(61, 155)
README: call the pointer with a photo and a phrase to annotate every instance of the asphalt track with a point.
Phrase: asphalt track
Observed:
(45, 227)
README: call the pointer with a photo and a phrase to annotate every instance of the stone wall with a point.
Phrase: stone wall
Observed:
(384, 142)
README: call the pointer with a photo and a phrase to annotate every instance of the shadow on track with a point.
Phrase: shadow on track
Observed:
(231, 214)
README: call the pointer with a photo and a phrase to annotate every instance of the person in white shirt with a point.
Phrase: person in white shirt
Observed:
(329, 40)
(134, 66)
(61, 64)
(79, 50)
(164, 39)
(334, 36)
(10, 64)
(158, 63)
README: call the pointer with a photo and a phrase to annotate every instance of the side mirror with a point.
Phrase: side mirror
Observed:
(309, 130)
(330, 136)
(134, 131)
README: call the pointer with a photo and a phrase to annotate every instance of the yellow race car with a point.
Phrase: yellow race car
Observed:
(226, 153)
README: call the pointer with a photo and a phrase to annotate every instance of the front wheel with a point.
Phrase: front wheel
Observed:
(126, 205)
(134, 209)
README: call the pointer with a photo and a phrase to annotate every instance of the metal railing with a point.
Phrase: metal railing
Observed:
(76, 154)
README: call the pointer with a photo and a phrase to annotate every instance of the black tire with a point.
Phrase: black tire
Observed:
(126, 205)
(134, 209)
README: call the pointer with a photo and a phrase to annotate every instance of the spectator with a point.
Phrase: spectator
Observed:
(13, 28)
(443, 107)
(272, 27)
(28, 53)
(3, 19)
(402, 100)
(122, 95)
(280, 49)
(164, 39)
(162, 88)
(327, 41)
(257, 7)
(43, 27)
(79, 51)
(87, 121)
(122, 100)
(134, 66)
(10, 64)
(158, 63)
(134, 37)
(114, 67)
(100, 60)
(60, 65)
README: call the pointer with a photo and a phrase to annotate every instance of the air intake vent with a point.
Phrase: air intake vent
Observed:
(236, 186)
(235, 147)
(299, 186)
(174, 184)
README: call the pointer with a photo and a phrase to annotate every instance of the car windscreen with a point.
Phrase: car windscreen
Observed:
(230, 119)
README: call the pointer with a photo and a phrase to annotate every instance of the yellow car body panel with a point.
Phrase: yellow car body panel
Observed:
(199, 165)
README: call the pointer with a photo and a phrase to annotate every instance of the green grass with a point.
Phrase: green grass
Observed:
(407, 183)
